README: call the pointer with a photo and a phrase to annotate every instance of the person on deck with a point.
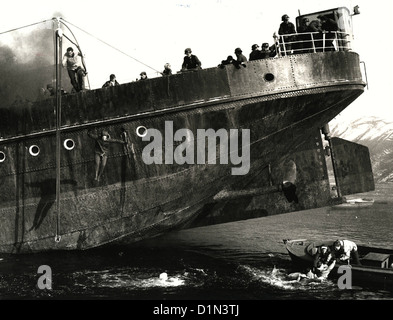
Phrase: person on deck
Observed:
(330, 27)
(190, 61)
(75, 71)
(111, 82)
(240, 58)
(229, 60)
(287, 31)
(143, 76)
(267, 51)
(167, 70)
(305, 39)
(255, 53)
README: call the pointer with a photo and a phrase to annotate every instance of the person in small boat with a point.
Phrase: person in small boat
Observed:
(323, 270)
(324, 261)
(101, 151)
(323, 255)
(346, 249)
(190, 61)
(111, 82)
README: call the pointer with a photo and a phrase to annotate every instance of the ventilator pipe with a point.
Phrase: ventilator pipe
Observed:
(326, 131)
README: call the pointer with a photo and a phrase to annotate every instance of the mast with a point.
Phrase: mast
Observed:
(58, 49)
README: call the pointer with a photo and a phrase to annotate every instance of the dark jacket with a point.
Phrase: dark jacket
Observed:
(329, 25)
(191, 62)
(255, 55)
(287, 28)
(267, 54)
(167, 72)
(110, 84)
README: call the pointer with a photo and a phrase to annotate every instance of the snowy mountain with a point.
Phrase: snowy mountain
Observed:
(376, 134)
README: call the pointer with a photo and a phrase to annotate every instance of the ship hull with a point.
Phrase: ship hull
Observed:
(134, 200)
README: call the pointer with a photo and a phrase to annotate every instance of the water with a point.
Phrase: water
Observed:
(244, 260)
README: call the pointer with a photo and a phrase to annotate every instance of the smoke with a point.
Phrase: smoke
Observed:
(27, 63)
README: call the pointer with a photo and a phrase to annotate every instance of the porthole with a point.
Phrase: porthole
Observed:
(141, 131)
(34, 150)
(69, 144)
(269, 77)
(2, 156)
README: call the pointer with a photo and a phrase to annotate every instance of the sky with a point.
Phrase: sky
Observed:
(126, 37)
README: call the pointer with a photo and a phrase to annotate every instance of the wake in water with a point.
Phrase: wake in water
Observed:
(281, 279)
(141, 279)
(137, 281)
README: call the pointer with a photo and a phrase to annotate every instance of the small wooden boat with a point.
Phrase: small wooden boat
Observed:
(376, 263)
(358, 203)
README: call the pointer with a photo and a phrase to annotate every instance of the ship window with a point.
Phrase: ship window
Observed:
(69, 144)
(34, 150)
(141, 131)
(2, 156)
(269, 77)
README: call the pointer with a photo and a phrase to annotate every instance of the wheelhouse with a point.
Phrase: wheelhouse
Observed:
(343, 17)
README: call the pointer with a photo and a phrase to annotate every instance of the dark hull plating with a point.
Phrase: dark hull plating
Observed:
(134, 200)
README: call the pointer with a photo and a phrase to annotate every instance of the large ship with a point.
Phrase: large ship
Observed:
(190, 149)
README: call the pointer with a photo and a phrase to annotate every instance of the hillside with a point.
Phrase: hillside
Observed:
(377, 135)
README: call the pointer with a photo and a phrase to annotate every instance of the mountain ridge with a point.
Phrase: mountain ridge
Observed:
(376, 134)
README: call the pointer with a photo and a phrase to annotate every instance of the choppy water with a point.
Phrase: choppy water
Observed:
(244, 260)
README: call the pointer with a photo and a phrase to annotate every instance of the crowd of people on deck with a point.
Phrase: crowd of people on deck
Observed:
(289, 42)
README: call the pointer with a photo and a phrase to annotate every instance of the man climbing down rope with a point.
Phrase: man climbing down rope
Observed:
(75, 71)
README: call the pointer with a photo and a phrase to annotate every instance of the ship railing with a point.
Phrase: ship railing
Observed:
(311, 42)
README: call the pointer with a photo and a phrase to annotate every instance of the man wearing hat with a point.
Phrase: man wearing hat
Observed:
(266, 51)
(190, 61)
(346, 249)
(255, 53)
(241, 58)
(286, 27)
